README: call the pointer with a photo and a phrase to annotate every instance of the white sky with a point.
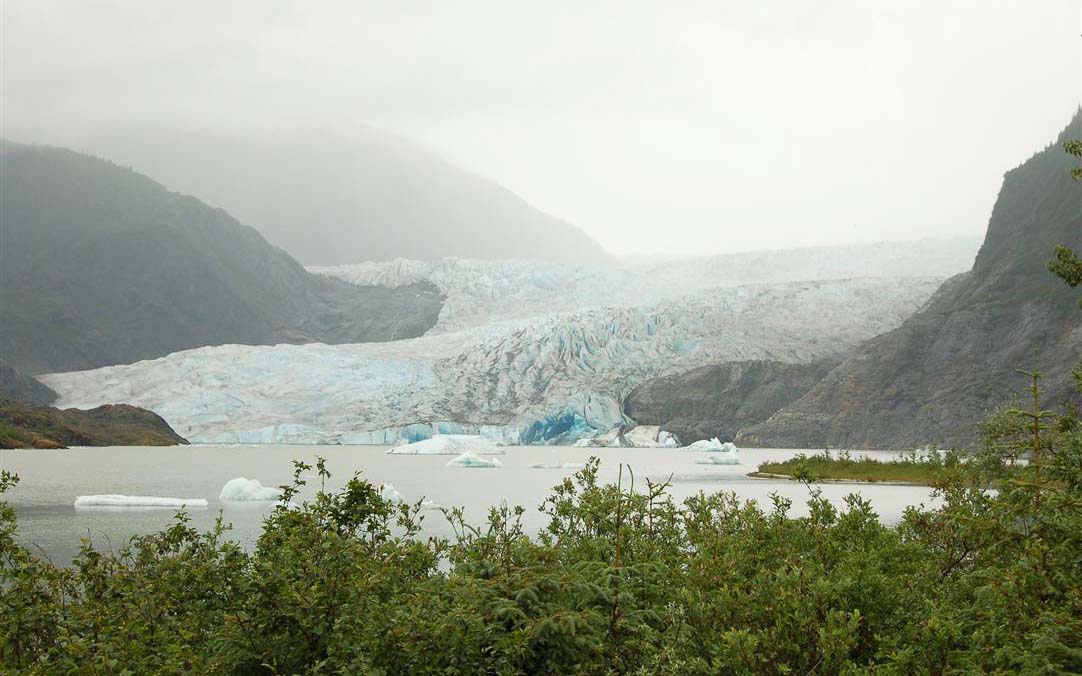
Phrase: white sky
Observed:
(674, 127)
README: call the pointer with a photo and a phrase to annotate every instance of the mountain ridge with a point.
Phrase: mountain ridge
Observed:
(360, 195)
(103, 265)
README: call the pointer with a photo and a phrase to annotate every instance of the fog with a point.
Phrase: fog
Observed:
(678, 128)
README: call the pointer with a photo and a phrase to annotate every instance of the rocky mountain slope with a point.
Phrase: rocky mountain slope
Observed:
(721, 399)
(932, 379)
(349, 197)
(17, 386)
(27, 426)
(101, 265)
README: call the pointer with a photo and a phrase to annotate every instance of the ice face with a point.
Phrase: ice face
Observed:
(471, 459)
(114, 500)
(532, 358)
(242, 489)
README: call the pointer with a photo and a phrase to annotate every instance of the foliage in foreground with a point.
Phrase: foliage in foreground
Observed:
(620, 582)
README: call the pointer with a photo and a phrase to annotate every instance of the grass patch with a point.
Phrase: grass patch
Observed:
(912, 468)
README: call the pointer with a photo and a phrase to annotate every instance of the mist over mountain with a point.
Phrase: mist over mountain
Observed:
(331, 198)
(932, 379)
(102, 265)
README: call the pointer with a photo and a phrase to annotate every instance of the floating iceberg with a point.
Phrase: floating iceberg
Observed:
(429, 505)
(471, 459)
(712, 445)
(248, 490)
(389, 493)
(557, 465)
(113, 500)
(449, 444)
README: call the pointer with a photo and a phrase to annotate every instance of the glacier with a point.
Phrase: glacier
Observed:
(523, 353)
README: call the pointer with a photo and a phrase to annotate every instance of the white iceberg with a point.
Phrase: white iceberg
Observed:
(248, 490)
(713, 446)
(389, 493)
(557, 465)
(114, 500)
(449, 444)
(429, 505)
(471, 459)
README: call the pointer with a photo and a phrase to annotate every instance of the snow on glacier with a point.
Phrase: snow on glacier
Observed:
(525, 367)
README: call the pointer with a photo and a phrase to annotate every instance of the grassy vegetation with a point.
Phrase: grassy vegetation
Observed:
(923, 469)
(28, 426)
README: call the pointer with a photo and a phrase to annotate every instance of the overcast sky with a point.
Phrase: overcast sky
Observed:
(675, 127)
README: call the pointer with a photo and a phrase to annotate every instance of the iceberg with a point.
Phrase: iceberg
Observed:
(471, 459)
(429, 505)
(718, 459)
(449, 444)
(712, 445)
(247, 490)
(390, 494)
(557, 465)
(114, 500)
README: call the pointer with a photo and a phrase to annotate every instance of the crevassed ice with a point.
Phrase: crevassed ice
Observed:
(540, 368)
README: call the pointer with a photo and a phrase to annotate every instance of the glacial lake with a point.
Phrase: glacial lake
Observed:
(50, 480)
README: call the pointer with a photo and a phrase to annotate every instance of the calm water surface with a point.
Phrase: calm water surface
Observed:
(50, 481)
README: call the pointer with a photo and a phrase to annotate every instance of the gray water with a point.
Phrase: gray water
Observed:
(51, 480)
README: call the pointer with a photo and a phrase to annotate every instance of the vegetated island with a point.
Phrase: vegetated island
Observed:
(913, 468)
(28, 426)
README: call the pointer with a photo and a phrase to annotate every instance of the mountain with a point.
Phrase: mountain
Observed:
(17, 386)
(28, 426)
(336, 198)
(101, 265)
(721, 399)
(932, 379)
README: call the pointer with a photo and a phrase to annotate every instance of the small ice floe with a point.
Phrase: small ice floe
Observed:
(449, 444)
(718, 459)
(248, 490)
(712, 445)
(113, 500)
(429, 505)
(389, 493)
(557, 465)
(471, 459)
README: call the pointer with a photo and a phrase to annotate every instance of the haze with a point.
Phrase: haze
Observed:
(705, 128)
